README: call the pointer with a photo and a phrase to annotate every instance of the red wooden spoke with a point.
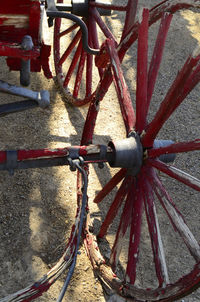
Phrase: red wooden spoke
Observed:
(95, 41)
(176, 218)
(89, 75)
(156, 241)
(125, 221)
(116, 204)
(73, 64)
(131, 10)
(121, 87)
(192, 81)
(89, 60)
(94, 108)
(110, 185)
(175, 148)
(70, 48)
(157, 56)
(173, 172)
(79, 74)
(142, 62)
(156, 12)
(67, 31)
(171, 101)
(102, 25)
(135, 231)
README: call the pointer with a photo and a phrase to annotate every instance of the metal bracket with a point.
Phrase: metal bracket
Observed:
(165, 158)
(42, 97)
(27, 44)
(102, 155)
(11, 162)
(74, 162)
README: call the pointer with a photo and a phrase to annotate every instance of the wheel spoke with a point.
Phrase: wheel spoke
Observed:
(79, 74)
(154, 231)
(172, 100)
(121, 87)
(110, 185)
(102, 25)
(95, 41)
(173, 172)
(175, 148)
(67, 31)
(175, 217)
(157, 55)
(123, 225)
(73, 64)
(70, 47)
(142, 62)
(89, 62)
(116, 204)
(135, 231)
(131, 10)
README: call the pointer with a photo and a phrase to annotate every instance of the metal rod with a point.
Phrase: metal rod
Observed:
(83, 27)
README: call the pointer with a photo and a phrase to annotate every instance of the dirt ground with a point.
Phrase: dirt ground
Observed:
(38, 206)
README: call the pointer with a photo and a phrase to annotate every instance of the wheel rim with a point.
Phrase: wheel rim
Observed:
(136, 196)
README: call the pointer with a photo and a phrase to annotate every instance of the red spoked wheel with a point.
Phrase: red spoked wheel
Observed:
(76, 73)
(142, 220)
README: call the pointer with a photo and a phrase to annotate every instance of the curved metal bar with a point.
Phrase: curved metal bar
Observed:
(83, 27)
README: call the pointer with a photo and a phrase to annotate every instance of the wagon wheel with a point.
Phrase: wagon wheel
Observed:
(142, 193)
(75, 69)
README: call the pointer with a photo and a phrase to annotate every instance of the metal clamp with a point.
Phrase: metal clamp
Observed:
(74, 163)
(11, 162)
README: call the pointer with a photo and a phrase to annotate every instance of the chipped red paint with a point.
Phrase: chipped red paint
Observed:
(11, 35)
(131, 10)
(136, 198)
(142, 65)
(157, 56)
(171, 101)
(116, 204)
(181, 176)
(121, 87)
(175, 148)
(110, 185)
(125, 221)
(159, 259)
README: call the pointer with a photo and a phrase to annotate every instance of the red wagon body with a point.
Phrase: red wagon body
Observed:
(19, 18)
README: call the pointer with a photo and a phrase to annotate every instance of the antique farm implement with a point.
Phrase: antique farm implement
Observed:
(139, 156)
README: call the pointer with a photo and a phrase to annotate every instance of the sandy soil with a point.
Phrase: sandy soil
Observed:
(38, 206)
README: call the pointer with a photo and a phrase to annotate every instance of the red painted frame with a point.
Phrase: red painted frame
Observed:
(11, 36)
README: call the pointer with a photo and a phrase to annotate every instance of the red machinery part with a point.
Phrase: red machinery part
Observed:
(18, 19)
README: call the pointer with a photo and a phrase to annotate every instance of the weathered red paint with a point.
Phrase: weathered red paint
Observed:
(135, 229)
(142, 65)
(12, 33)
(175, 148)
(125, 222)
(116, 204)
(171, 101)
(185, 178)
(121, 87)
(157, 56)
(110, 185)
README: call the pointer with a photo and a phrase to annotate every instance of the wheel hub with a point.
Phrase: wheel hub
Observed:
(128, 153)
